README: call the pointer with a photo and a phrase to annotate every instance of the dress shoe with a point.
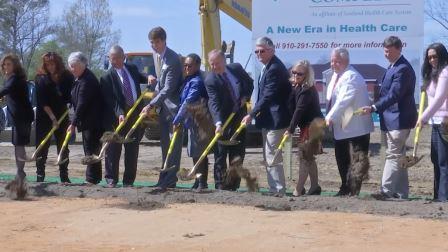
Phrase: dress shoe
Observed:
(274, 194)
(343, 191)
(316, 191)
(64, 177)
(40, 178)
(111, 185)
(158, 190)
(297, 194)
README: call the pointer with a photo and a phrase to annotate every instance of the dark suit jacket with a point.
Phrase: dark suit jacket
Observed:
(55, 96)
(305, 104)
(271, 110)
(396, 104)
(219, 103)
(169, 86)
(88, 102)
(17, 100)
(115, 104)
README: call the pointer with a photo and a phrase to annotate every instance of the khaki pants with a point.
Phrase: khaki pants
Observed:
(275, 172)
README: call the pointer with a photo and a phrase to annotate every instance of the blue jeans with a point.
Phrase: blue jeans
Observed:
(439, 157)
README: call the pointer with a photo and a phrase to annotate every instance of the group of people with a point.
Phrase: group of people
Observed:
(287, 100)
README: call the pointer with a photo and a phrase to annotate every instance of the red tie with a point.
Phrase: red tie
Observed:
(330, 103)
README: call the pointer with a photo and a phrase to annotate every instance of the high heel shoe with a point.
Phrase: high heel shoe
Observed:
(316, 191)
(297, 194)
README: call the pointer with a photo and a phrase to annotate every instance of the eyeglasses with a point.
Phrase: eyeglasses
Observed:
(430, 57)
(261, 51)
(300, 74)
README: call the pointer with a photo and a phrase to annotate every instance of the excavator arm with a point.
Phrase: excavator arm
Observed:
(239, 10)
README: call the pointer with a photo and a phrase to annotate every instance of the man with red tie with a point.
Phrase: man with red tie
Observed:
(347, 92)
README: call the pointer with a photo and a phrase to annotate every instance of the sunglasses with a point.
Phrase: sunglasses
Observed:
(49, 55)
(259, 51)
(430, 57)
(300, 74)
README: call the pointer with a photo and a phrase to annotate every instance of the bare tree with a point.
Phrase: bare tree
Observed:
(86, 27)
(24, 25)
(437, 10)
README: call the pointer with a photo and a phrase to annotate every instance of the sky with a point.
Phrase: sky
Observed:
(180, 19)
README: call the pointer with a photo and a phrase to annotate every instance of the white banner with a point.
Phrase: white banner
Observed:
(310, 29)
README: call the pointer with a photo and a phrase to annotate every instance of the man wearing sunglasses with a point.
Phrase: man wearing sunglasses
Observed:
(271, 111)
(347, 92)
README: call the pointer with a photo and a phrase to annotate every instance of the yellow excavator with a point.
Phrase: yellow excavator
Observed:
(239, 10)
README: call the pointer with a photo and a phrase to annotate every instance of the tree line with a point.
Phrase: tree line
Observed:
(26, 29)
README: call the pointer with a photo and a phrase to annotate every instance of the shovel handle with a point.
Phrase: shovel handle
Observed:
(238, 131)
(49, 134)
(135, 125)
(170, 148)
(421, 107)
(282, 143)
(132, 109)
(210, 145)
(68, 135)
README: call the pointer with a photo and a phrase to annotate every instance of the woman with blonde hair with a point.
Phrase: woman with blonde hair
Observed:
(304, 101)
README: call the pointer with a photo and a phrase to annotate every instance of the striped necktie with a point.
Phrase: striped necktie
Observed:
(127, 91)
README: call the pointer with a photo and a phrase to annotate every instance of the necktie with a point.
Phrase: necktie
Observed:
(330, 103)
(127, 91)
(159, 65)
(229, 87)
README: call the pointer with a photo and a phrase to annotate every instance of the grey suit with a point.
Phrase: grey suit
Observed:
(168, 90)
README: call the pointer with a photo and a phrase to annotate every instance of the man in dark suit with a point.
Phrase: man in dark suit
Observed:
(398, 115)
(168, 90)
(120, 86)
(271, 111)
(229, 87)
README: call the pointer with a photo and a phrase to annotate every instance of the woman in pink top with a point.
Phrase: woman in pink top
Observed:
(435, 82)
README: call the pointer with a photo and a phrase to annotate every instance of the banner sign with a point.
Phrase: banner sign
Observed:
(310, 29)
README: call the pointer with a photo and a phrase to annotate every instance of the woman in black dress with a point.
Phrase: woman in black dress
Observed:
(19, 107)
(53, 87)
(304, 101)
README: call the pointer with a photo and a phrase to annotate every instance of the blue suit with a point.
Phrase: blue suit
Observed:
(396, 105)
(398, 115)
(271, 110)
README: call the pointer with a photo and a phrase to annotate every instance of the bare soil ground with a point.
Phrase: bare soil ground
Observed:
(81, 218)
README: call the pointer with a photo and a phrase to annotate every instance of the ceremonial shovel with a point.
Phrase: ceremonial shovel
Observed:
(278, 150)
(183, 173)
(114, 136)
(45, 140)
(170, 150)
(414, 159)
(60, 161)
(232, 140)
